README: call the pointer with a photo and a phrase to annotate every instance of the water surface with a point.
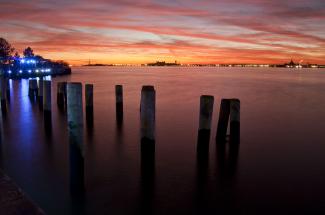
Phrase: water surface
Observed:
(279, 167)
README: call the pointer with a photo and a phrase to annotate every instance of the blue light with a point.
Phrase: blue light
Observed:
(29, 71)
(22, 61)
(9, 71)
(20, 71)
(36, 70)
(42, 70)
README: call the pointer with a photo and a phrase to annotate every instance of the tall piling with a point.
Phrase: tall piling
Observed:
(147, 118)
(89, 97)
(47, 109)
(223, 121)
(33, 88)
(206, 110)
(60, 95)
(235, 121)
(75, 131)
(119, 103)
(147, 114)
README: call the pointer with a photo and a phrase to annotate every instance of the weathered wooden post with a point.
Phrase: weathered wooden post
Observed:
(3, 95)
(47, 109)
(119, 102)
(33, 88)
(147, 114)
(65, 94)
(40, 93)
(7, 89)
(75, 131)
(147, 118)
(206, 110)
(223, 121)
(89, 96)
(60, 95)
(235, 121)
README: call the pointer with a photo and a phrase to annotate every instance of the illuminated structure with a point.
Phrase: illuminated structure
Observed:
(34, 67)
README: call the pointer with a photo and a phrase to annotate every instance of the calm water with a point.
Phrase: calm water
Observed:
(279, 167)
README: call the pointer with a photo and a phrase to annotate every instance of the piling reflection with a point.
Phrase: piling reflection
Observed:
(226, 169)
(227, 158)
(3, 107)
(119, 131)
(48, 123)
(147, 177)
(78, 202)
(90, 118)
(202, 173)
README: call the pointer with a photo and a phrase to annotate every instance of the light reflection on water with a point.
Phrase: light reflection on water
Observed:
(280, 164)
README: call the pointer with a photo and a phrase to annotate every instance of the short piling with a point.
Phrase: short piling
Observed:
(119, 102)
(40, 93)
(47, 110)
(3, 99)
(33, 88)
(89, 97)
(65, 94)
(235, 121)
(7, 89)
(206, 110)
(75, 131)
(223, 121)
(60, 97)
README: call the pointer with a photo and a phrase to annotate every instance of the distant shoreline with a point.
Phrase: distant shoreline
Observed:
(210, 65)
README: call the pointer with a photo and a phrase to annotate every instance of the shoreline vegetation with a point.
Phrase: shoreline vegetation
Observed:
(12, 65)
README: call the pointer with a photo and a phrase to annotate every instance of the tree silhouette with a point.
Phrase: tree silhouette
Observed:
(6, 51)
(17, 55)
(28, 52)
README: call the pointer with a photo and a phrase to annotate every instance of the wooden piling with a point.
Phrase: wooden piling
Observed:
(89, 97)
(7, 89)
(3, 95)
(65, 94)
(119, 102)
(147, 115)
(47, 103)
(235, 121)
(75, 131)
(60, 95)
(40, 93)
(223, 121)
(33, 88)
(206, 110)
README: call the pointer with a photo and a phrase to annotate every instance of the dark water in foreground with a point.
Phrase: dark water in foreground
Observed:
(278, 169)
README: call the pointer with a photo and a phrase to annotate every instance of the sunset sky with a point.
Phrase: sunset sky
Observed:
(141, 31)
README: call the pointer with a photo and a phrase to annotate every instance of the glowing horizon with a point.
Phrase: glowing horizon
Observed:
(127, 32)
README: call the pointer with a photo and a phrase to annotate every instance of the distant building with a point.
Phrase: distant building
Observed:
(163, 63)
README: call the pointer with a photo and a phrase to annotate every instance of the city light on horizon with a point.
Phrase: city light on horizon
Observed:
(128, 32)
